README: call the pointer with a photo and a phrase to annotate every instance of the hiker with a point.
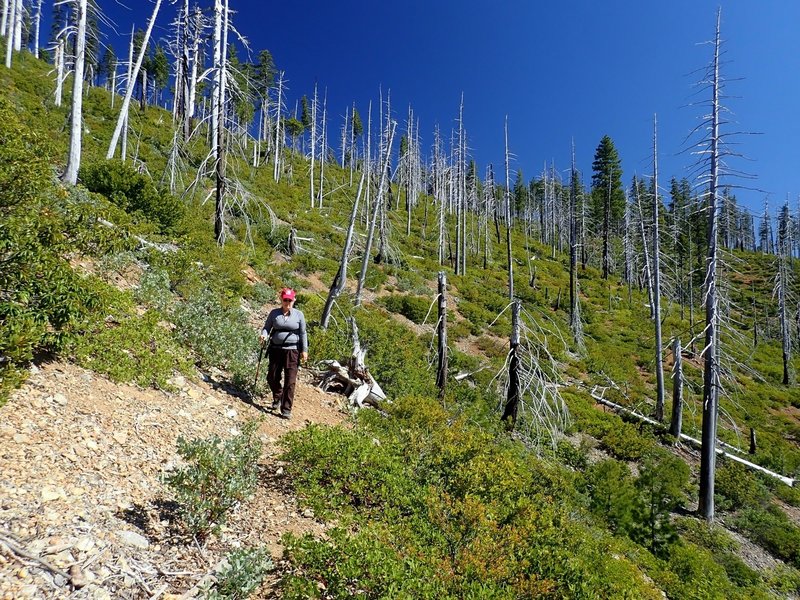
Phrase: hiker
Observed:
(285, 329)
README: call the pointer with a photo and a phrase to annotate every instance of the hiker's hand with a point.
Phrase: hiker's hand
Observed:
(303, 357)
(262, 340)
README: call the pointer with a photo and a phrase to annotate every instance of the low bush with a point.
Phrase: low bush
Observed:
(133, 192)
(43, 302)
(131, 347)
(414, 308)
(773, 530)
(736, 487)
(337, 468)
(241, 574)
(219, 335)
(219, 475)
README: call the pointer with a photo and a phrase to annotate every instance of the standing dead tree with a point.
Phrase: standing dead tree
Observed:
(341, 274)
(574, 302)
(508, 219)
(659, 412)
(677, 390)
(512, 393)
(76, 118)
(13, 8)
(531, 379)
(782, 290)
(711, 367)
(441, 370)
(126, 102)
(376, 208)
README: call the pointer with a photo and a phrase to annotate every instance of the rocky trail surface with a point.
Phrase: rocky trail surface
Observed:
(83, 511)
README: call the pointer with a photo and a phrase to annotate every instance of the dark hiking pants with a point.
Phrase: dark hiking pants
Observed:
(283, 363)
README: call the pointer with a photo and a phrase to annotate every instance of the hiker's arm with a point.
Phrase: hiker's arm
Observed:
(267, 329)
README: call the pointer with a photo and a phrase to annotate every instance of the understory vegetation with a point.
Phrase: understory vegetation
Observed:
(432, 499)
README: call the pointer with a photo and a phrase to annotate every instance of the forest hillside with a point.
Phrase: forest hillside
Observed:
(524, 335)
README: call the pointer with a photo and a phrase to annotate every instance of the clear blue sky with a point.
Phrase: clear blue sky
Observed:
(567, 70)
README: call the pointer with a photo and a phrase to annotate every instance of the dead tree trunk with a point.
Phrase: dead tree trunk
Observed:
(646, 251)
(783, 310)
(341, 275)
(512, 397)
(441, 371)
(574, 318)
(606, 228)
(10, 31)
(711, 369)
(76, 126)
(677, 390)
(378, 200)
(123, 113)
(659, 413)
(313, 144)
(508, 224)
(276, 171)
(220, 75)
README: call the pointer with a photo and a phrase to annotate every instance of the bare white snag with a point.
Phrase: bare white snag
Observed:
(659, 413)
(12, 16)
(18, 26)
(4, 22)
(76, 125)
(278, 150)
(341, 275)
(123, 113)
(378, 200)
(197, 31)
(59, 60)
(313, 144)
(323, 149)
(508, 218)
(37, 20)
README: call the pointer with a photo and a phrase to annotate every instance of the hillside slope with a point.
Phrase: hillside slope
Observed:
(438, 501)
(80, 461)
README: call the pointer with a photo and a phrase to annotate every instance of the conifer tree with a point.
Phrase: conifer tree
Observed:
(608, 198)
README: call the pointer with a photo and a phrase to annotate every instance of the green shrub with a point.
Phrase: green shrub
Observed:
(43, 302)
(709, 536)
(611, 491)
(736, 487)
(738, 572)
(662, 481)
(576, 457)
(695, 575)
(219, 475)
(134, 192)
(414, 308)
(242, 573)
(626, 442)
(129, 347)
(336, 468)
(772, 529)
(154, 290)
(219, 335)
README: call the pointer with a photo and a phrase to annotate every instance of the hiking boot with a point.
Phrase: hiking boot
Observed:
(286, 414)
(276, 404)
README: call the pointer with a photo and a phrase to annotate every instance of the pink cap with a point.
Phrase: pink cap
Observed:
(287, 294)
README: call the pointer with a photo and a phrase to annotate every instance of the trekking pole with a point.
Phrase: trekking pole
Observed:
(258, 365)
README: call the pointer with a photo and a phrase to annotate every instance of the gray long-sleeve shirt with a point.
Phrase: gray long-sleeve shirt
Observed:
(288, 332)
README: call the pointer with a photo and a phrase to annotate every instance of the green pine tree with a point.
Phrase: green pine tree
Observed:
(608, 197)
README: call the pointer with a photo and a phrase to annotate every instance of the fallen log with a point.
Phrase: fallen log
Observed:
(695, 442)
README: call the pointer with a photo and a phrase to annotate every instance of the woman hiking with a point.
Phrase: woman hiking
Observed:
(285, 328)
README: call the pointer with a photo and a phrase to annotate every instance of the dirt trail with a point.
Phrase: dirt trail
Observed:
(80, 462)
